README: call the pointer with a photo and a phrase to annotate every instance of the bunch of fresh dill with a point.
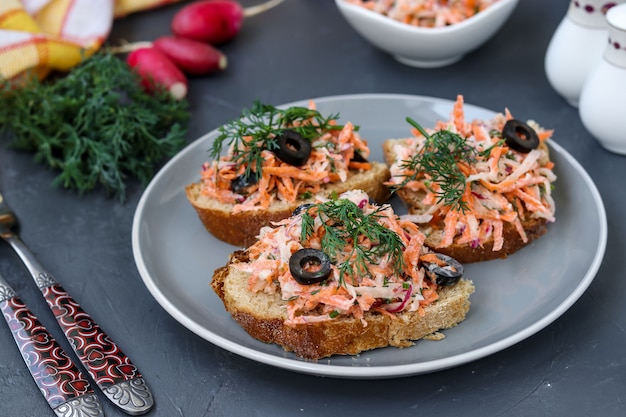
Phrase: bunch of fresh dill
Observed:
(96, 125)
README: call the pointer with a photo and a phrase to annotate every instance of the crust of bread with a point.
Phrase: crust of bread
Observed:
(241, 229)
(263, 316)
(513, 242)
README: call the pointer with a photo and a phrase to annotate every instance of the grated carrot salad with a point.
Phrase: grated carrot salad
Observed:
(381, 290)
(504, 186)
(426, 13)
(330, 161)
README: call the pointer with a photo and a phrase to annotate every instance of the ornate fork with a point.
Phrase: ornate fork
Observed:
(113, 372)
(62, 384)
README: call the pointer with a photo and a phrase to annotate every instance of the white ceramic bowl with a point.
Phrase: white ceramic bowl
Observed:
(427, 47)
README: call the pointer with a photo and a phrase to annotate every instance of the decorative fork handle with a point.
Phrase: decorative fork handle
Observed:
(62, 384)
(113, 372)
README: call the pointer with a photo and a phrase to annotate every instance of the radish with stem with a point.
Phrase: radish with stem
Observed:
(215, 21)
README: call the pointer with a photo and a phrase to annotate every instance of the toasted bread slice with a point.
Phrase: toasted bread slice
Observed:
(241, 229)
(464, 253)
(263, 317)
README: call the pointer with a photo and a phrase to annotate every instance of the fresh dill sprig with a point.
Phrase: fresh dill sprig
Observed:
(96, 125)
(345, 225)
(257, 128)
(439, 159)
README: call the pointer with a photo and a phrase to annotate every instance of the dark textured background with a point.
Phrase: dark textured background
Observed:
(299, 50)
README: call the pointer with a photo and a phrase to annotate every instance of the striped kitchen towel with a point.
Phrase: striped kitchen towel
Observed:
(44, 35)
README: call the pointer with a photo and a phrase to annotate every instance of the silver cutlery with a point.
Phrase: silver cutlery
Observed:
(111, 370)
(62, 384)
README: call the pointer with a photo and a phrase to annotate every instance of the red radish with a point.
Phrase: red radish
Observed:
(192, 57)
(211, 21)
(157, 71)
(214, 21)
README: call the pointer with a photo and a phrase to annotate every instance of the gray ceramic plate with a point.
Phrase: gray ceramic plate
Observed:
(515, 297)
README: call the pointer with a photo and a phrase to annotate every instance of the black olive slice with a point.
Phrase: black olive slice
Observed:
(242, 181)
(309, 266)
(519, 136)
(358, 157)
(446, 275)
(293, 149)
(301, 208)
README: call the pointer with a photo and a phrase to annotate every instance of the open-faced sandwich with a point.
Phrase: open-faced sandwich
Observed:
(479, 190)
(341, 276)
(276, 160)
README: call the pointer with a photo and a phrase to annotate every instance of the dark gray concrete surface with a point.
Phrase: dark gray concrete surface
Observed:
(299, 50)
